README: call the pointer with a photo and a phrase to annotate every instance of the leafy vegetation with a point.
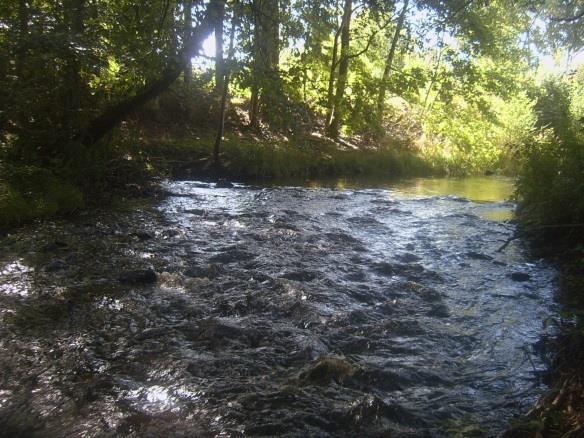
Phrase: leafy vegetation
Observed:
(551, 179)
(98, 94)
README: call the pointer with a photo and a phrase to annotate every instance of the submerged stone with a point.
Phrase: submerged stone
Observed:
(232, 256)
(57, 265)
(439, 311)
(385, 268)
(143, 235)
(224, 185)
(478, 256)
(142, 276)
(329, 369)
(300, 275)
(208, 271)
(520, 276)
(55, 246)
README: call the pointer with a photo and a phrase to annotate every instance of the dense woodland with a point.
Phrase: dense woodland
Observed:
(410, 87)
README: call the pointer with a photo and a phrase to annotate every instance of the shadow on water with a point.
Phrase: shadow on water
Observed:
(363, 310)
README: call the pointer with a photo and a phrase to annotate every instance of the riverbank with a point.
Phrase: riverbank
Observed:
(131, 163)
(560, 412)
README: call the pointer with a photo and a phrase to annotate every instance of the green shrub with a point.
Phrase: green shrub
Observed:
(551, 182)
(551, 179)
(29, 192)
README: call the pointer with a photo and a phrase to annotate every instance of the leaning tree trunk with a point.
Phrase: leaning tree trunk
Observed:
(113, 115)
(188, 72)
(338, 104)
(389, 62)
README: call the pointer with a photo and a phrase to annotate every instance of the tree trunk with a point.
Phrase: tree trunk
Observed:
(338, 105)
(113, 115)
(224, 97)
(272, 26)
(254, 110)
(73, 17)
(389, 62)
(23, 37)
(331, 81)
(188, 72)
(219, 64)
(434, 74)
(265, 80)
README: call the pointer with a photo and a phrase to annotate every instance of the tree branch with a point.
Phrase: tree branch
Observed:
(113, 115)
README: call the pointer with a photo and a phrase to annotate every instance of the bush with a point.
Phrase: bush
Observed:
(551, 178)
(551, 182)
(29, 192)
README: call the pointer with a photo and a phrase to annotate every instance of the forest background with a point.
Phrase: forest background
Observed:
(100, 95)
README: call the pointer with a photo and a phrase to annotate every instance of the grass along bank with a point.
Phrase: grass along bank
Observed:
(129, 164)
(247, 156)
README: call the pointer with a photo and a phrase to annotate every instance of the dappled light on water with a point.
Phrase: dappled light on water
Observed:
(282, 311)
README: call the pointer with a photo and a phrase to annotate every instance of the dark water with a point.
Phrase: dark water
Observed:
(291, 311)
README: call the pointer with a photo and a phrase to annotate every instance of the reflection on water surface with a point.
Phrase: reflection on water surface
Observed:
(279, 311)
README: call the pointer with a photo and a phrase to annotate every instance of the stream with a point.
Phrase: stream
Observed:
(349, 309)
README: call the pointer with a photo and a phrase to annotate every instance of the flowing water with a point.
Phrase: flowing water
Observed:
(277, 311)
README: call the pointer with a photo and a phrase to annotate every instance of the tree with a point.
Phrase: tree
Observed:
(114, 114)
(188, 11)
(389, 61)
(337, 107)
(219, 63)
(224, 94)
(265, 88)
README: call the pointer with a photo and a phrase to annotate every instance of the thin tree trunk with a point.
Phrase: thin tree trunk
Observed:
(113, 115)
(254, 110)
(389, 62)
(434, 73)
(224, 98)
(316, 32)
(331, 81)
(188, 72)
(338, 106)
(22, 35)
(219, 64)
(305, 58)
(20, 70)
(273, 34)
(265, 77)
(73, 16)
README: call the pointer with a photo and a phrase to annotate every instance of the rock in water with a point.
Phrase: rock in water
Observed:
(144, 235)
(57, 265)
(520, 276)
(300, 275)
(142, 276)
(327, 369)
(222, 184)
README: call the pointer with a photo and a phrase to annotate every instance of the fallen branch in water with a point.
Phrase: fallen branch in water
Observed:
(539, 227)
